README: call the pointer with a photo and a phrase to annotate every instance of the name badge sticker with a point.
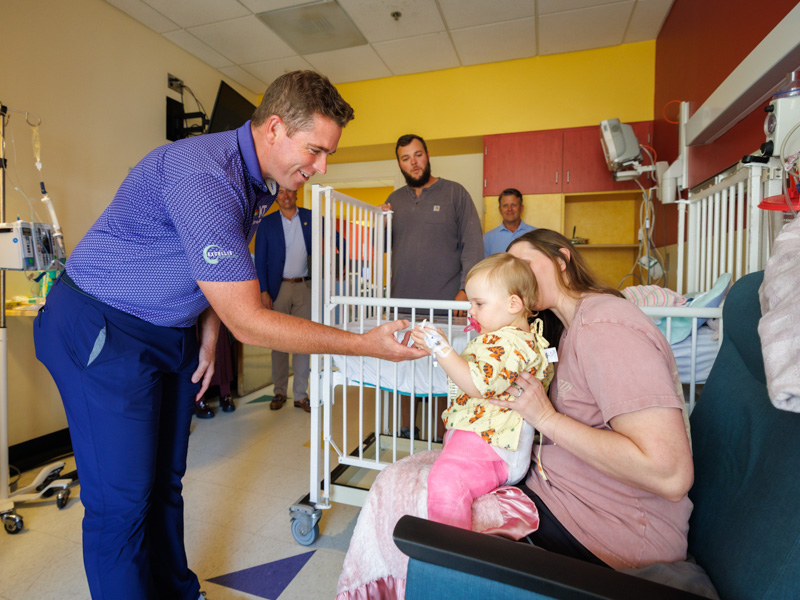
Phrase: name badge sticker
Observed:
(551, 354)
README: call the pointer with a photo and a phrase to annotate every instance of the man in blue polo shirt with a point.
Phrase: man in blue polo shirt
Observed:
(118, 329)
(510, 206)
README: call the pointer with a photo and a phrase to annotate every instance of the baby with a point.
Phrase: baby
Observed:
(486, 446)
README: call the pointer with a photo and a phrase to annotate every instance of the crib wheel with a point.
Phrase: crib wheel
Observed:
(12, 522)
(303, 532)
(62, 498)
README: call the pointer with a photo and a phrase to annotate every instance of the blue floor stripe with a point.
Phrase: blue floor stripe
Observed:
(265, 581)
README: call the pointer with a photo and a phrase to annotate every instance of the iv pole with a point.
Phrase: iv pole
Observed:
(6, 505)
(47, 480)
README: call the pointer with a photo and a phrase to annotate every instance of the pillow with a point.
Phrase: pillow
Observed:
(653, 295)
(682, 326)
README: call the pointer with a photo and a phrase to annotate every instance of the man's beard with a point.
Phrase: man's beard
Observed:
(423, 179)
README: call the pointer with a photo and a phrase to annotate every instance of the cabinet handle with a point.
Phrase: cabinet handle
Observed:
(567, 175)
(556, 175)
(484, 183)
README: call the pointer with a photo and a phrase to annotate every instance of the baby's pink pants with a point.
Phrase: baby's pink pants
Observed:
(467, 468)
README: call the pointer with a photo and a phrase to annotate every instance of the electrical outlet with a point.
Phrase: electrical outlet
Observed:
(174, 83)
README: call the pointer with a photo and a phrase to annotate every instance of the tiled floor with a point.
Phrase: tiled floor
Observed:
(246, 469)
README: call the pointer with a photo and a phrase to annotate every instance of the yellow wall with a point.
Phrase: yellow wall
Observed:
(374, 195)
(547, 92)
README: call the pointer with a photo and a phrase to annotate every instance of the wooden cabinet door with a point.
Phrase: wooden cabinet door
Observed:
(585, 168)
(529, 161)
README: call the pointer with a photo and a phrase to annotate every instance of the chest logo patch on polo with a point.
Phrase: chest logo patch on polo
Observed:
(436, 208)
(212, 254)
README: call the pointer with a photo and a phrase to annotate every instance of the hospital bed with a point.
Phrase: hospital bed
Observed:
(356, 401)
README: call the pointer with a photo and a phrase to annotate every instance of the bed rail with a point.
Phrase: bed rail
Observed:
(724, 229)
(356, 400)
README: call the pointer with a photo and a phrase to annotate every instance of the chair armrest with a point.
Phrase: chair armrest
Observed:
(521, 565)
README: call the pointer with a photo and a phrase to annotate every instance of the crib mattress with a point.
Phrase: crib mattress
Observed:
(420, 377)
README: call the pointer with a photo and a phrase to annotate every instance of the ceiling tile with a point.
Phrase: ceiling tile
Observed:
(418, 54)
(373, 18)
(547, 7)
(429, 34)
(191, 44)
(188, 13)
(648, 17)
(242, 77)
(575, 30)
(145, 14)
(349, 64)
(243, 41)
(498, 42)
(259, 6)
(460, 14)
(269, 70)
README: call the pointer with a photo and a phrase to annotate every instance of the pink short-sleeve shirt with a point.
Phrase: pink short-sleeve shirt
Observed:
(612, 360)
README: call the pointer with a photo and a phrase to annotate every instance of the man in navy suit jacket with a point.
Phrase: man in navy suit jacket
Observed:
(282, 250)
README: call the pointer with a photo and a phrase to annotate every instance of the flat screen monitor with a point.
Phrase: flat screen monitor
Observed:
(231, 110)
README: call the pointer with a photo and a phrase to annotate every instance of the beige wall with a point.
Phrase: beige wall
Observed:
(98, 80)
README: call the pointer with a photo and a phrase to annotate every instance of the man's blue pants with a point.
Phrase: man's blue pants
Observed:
(127, 391)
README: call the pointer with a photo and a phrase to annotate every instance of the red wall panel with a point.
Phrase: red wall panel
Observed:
(699, 45)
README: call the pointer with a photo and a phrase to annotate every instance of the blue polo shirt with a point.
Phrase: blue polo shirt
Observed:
(497, 239)
(185, 213)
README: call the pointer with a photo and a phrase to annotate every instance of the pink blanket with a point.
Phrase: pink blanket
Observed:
(374, 567)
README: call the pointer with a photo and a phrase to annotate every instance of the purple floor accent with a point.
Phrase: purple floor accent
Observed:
(265, 581)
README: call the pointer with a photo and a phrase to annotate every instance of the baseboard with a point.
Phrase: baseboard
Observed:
(40, 451)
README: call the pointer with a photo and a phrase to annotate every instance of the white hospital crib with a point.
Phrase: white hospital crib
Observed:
(356, 401)
(355, 417)
(722, 233)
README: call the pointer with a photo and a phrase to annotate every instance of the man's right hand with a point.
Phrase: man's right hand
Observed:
(382, 343)
(386, 207)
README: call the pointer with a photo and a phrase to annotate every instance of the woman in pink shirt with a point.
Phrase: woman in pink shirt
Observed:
(611, 475)
(614, 467)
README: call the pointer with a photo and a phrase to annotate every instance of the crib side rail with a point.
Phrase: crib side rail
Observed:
(725, 230)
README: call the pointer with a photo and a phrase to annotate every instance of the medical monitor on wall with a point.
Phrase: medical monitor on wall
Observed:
(620, 145)
(231, 110)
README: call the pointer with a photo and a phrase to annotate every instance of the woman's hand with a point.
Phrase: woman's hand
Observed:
(531, 401)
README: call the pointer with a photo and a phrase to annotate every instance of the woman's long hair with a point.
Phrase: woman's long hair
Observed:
(576, 279)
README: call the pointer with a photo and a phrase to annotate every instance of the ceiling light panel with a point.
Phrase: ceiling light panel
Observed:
(313, 28)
